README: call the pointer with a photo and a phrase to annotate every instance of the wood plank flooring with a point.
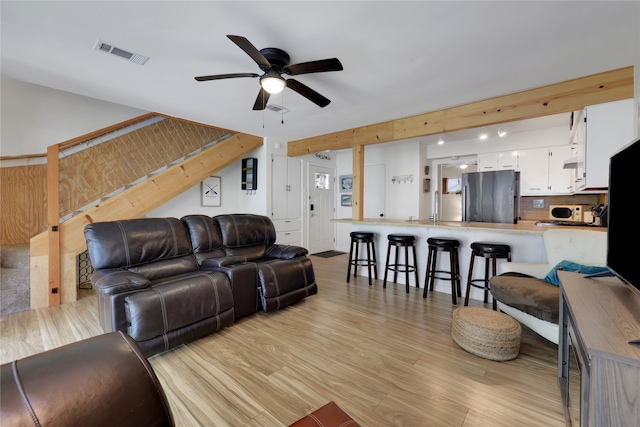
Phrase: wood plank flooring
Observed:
(384, 356)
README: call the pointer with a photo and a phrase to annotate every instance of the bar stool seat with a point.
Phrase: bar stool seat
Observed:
(490, 252)
(439, 244)
(399, 240)
(368, 238)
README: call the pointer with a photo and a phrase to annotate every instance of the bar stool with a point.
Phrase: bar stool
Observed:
(367, 238)
(437, 244)
(401, 240)
(490, 252)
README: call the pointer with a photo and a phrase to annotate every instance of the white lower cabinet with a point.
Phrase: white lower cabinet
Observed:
(288, 231)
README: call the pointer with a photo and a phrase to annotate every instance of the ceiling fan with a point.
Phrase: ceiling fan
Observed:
(274, 62)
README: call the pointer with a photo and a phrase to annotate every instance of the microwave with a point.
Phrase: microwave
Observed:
(567, 212)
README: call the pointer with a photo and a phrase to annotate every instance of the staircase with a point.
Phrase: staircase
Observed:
(15, 294)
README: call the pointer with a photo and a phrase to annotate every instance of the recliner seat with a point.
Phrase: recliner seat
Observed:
(149, 284)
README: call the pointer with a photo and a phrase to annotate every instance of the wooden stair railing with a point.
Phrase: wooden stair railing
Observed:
(53, 275)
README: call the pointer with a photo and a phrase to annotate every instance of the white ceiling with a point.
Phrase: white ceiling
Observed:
(400, 58)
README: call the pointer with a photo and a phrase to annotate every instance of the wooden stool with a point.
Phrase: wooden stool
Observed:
(367, 238)
(406, 241)
(490, 252)
(436, 245)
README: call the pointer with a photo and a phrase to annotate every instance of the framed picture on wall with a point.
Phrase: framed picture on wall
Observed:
(345, 200)
(346, 183)
(210, 191)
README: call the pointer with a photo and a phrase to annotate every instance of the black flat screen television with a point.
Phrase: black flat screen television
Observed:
(623, 233)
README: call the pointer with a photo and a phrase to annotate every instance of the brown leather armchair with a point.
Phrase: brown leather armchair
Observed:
(149, 284)
(101, 381)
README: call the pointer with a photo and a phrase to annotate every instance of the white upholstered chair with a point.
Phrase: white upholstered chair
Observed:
(586, 247)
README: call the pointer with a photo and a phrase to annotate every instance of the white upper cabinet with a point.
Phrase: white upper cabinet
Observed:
(498, 161)
(561, 180)
(534, 171)
(609, 127)
(487, 162)
(542, 171)
(286, 188)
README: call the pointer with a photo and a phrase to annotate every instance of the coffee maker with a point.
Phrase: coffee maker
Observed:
(599, 216)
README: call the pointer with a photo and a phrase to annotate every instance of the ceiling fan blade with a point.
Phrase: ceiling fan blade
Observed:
(308, 93)
(320, 66)
(225, 76)
(261, 100)
(251, 50)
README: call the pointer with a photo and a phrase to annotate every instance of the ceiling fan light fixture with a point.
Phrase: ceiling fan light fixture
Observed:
(272, 82)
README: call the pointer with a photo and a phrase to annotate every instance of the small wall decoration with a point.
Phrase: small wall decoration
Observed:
(346, 185)
(210, 191)
(322, 181)
(345, 200)
(427, 185)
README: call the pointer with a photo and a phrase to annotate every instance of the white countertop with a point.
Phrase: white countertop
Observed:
(524, 227)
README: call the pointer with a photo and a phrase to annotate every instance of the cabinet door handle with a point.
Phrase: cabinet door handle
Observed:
(534, 188)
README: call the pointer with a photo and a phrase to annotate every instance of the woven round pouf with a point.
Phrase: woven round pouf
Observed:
(486, 333)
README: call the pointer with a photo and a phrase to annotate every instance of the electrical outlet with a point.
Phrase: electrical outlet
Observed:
(538, 203)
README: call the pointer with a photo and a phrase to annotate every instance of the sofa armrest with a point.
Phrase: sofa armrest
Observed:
(223, 261)
(538, 270)
(111, 281)
(285, 252)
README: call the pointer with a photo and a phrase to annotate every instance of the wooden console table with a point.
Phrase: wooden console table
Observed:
(599, 317)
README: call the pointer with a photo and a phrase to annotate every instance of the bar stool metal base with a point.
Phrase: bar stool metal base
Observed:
(398, 241)
(367, 238)
(490, 252)
(453, 274)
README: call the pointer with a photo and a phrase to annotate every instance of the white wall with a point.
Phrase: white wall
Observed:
(34, 117)
(232, 198)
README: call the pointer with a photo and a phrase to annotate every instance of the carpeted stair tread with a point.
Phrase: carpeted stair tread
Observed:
(15, 292)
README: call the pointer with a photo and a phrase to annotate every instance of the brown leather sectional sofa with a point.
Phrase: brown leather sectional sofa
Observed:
(166, 281)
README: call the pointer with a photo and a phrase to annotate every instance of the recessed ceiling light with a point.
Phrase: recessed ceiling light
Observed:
(483, 136)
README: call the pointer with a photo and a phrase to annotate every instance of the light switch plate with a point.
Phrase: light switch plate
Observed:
(538, 203)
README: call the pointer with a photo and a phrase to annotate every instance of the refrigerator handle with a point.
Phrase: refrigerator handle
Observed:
(465, 191)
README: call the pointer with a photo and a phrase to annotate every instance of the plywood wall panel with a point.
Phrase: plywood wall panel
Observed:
(24, 200)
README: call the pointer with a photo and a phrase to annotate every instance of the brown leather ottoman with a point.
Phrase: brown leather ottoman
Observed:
(330, 415)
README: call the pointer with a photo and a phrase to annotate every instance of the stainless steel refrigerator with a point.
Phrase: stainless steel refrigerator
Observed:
(491, 196)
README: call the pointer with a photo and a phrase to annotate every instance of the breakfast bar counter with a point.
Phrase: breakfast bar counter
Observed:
(524, 238)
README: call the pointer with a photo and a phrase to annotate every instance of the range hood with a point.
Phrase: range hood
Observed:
(571, 163)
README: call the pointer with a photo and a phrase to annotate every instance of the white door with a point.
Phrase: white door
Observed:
(374, 191)
(321, 209)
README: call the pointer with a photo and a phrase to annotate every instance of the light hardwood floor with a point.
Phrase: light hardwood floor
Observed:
(384, 356)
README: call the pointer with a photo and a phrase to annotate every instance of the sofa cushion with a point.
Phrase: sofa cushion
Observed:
(133, 242)
(175, 302)
(246, 235)
(205, 236)
(528, 294)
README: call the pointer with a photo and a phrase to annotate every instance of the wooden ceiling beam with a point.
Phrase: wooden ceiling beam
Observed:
(543, 101)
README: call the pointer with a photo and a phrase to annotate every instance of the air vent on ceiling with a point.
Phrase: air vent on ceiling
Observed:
(277, 108)
(109, 48)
